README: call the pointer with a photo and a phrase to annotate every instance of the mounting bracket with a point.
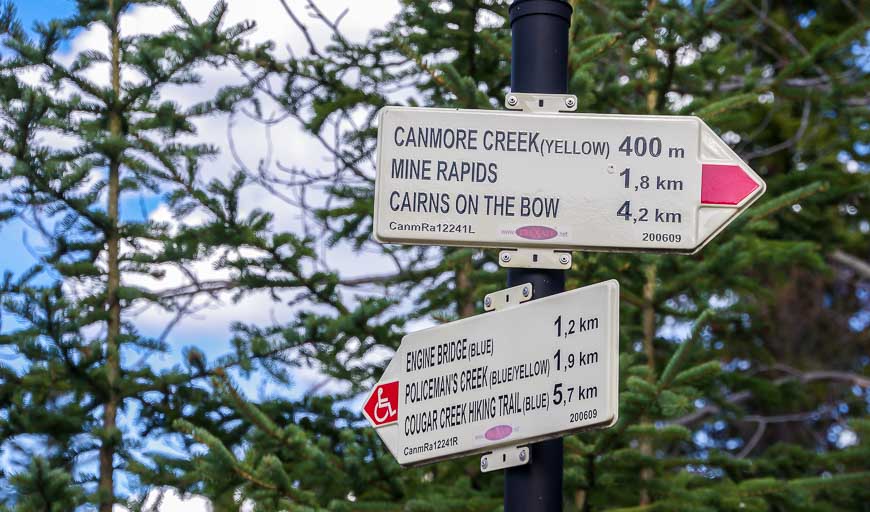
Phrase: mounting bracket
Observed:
(537, 258)
(506, 456)
(502, 458)
(507, 297)
(534, 258)
(531, 102)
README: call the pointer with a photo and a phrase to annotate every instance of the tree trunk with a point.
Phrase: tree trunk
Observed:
(649, 314)
(652, 77)
(110, 439)
(649, 334)
(465, 288)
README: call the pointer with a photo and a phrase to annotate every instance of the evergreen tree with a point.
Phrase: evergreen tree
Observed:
(744, 369)
(44, 488)
(763, 406)
(81, 409)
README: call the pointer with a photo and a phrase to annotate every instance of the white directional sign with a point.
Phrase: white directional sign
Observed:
(517, 375)
(554, 180)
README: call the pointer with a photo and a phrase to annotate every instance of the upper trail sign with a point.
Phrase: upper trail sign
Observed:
(486, 178)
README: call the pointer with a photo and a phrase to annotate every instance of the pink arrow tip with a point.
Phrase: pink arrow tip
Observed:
(725, 184)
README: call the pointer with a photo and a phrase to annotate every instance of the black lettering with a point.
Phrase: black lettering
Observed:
(397, 138)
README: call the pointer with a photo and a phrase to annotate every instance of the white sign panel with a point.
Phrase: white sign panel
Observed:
(500, 179)
(517, 375)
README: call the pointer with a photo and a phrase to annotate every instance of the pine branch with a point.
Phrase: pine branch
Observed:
(794, 375)
(788, 143)
(655, 391)
(770, 486)
(685, 348)
(785, 200)
(857, 265)
(722, 106)
(217, 447)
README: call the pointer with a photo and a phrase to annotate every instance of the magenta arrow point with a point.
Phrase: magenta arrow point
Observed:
(725, 184)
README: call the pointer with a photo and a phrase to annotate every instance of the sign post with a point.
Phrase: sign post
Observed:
(537, 182)
(539, 64)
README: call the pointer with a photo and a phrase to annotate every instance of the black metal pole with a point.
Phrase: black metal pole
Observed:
(539, 30)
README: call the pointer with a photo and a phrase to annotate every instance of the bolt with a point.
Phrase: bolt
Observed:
(487, 301)
(564, 259)
(525, 291)
(483, 463)
(522, 455)
(570, 102)
(505, 257)
(512, 101)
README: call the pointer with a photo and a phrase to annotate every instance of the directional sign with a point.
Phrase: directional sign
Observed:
(517, 375)
(485, 178)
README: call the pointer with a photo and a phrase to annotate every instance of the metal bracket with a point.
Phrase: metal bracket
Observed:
(548, 103)
(502, 458)
(534, 258)
(507, 456)
(538, 258)
(507, 297)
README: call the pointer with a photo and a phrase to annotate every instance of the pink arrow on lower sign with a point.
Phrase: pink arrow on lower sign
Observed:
(725, 184)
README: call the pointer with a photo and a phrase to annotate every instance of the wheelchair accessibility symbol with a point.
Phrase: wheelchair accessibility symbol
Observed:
(382, 407)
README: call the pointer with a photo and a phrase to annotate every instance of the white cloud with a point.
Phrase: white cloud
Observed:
(290, 144)
(169, 500)
(677, 101)
(208, 328)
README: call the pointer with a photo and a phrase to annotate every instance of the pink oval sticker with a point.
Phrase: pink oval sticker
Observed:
(536, 232)
(498, 432)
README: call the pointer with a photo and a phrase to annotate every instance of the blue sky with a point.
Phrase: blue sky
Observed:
(15, 256)
(209, 328)
(20, 245)
(33, 10)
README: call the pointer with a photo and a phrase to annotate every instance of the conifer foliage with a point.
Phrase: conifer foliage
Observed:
(744, 372)
(80, 406)
(744, 369)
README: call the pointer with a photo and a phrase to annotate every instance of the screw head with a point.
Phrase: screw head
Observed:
(483, 463)
(522, 455)
(505, 257)
(570, 102)
(564, 259)
(512, 100)
(487, 301)
(525, 291)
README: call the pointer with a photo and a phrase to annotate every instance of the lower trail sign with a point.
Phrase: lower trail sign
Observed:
(523, 373)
